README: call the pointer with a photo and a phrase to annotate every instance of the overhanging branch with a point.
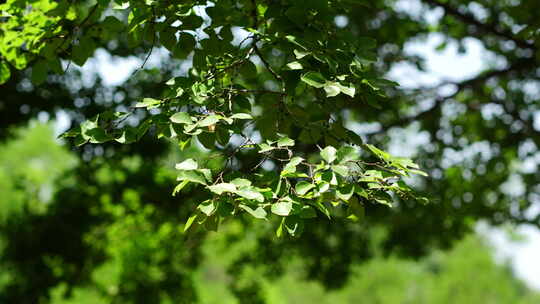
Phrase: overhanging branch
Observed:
(487, 28)
(469, 83)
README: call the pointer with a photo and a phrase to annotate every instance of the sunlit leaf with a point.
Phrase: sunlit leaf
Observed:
(303, 187)
(329, 154)
(282, 208)
(181, 118)
(188, 164)
(222, 187)
(314, 79)
(259, 212)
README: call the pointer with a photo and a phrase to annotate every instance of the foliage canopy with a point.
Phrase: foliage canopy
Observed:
(320, 71)
(251, 94)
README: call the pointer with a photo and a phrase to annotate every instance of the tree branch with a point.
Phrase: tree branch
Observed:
(469, 83)
(488, 28)
(267, 64)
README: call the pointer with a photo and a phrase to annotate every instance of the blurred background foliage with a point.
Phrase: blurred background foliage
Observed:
(135, 253)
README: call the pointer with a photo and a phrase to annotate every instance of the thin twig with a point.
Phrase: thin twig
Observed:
(267, 65)
(94, 8)
(232, 65)
(67, 66)
(260, 163)
(153, 43)
(469, 83)
(255, 91)
(244, 40)
(489, 28)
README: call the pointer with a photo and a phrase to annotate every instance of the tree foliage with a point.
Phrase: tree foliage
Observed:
(320, 71)
(244, 90)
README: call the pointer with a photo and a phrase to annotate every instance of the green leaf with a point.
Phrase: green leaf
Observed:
(329, 154)
(5, 72)
(228, 120)
(323, 187)
(295, 65)
(330, 178)
(251, 194)
(303, 187)
(186, 44)
(191, 21)
(223, 187)
(248, 70)
(378, 152)
(190, 221)
(188, 164)
(285, 142)
(71, 133)
(223, 136)
(209, 120)
(361, 191)
(192, 176)
(265, 148)
(83, 50)
(300, 54)
(225, 209)
(125, 138)
(346, 154)
(345, 192)
(200, 91)
(211, 223)
(314, 79)
(208, 207)
(167, 37)
(148, 103)
(294, 225)
(207, 173)
(347, 90)
(323, 209)
(290, 167)
(97, 135)
(341, 170)
(354, 138)
(88, 125)
(181, 118)
(404, 163)
(295, 161)
(419, 172)
(371, 176)
(384, 198)
(182, 143)
(55, 65)
(241, 182)
(241, 116)
(332, 89)
(113, 24)
(259, 213)
(279, 230)
(292, 38)
(179, 187)
(207, 139)
(282, 208)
